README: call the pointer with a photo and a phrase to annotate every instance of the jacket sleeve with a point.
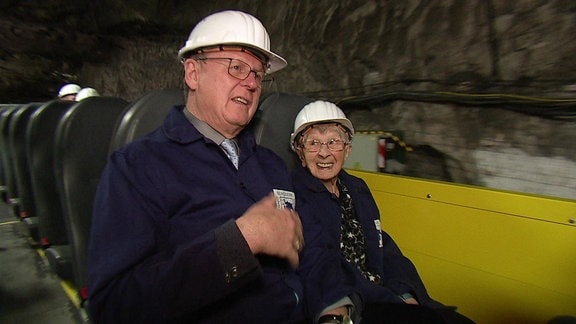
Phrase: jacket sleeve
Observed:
(131, 278)
(398, 272)
(401, 274)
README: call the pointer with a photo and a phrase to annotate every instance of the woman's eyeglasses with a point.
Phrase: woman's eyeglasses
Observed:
(334, 145)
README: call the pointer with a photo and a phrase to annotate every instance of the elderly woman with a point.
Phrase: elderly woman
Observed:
(350, 268)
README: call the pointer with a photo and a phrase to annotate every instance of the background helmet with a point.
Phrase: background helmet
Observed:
(68, 89)
(233, 28)
(85, 93)
(319, 112)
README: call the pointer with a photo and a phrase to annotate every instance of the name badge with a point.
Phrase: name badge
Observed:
(285, 199)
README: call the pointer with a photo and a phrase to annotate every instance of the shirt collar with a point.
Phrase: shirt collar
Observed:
(204, 128)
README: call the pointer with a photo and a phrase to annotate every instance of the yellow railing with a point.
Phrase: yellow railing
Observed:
(500, 257)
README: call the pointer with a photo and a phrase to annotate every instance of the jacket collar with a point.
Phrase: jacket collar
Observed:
(310, 182)
(180, 130)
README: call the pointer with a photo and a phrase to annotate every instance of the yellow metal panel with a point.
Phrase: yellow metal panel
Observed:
(525, 205)
(486, 297)
(501, 257)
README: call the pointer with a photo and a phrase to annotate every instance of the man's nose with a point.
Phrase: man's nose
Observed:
(251, 80)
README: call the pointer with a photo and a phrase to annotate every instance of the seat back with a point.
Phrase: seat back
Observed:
(40, 136)
(6, 151)
(19, 156)
(5, 172)
(81, 149)
(274, 122)
(144, 115)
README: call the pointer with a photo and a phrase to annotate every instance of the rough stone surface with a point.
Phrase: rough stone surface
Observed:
(397, 64)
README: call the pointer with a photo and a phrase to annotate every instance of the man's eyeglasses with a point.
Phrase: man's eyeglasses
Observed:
(334, 145)
(241, 70)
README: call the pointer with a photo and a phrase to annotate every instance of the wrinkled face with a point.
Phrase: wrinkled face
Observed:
(224, 102)
(325, 164)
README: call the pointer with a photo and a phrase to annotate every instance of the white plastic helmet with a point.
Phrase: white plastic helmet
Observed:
(85, 93)
(68, 89)
(233, 28)
(319, 112)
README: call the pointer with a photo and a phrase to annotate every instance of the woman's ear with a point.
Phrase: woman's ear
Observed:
(347, 151)
(191, 73)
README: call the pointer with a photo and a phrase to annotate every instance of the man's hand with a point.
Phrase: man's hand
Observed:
(272, 231)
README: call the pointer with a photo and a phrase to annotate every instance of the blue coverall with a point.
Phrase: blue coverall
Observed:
(326, 274)
(164, 246)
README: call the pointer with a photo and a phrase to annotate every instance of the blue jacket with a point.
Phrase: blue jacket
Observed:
(326, 275)
(164, 245)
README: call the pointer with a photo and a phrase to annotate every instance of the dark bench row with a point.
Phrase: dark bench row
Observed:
(53, 153)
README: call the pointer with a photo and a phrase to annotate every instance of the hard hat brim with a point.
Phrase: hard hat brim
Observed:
(68, 89)
(344, 122)
(275, 61)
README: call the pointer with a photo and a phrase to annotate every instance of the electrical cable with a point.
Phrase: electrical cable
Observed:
(377, 94)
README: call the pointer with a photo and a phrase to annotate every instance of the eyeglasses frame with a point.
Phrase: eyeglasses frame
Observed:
(327, 143)
(259, 80)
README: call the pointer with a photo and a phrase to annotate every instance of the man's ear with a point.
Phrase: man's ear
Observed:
(191, 73)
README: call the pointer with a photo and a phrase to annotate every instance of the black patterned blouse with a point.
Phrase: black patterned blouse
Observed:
(352, 242)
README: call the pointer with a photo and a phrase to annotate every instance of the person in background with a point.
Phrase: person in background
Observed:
(186, 227)
(86, 93)
(68, 92)
(351, 269)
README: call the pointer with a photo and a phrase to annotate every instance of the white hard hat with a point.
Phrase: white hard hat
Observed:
(85, 93)
(233, 28)
(319, 112)
(68, 89)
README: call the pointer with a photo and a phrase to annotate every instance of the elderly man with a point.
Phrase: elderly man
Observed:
(186, 226)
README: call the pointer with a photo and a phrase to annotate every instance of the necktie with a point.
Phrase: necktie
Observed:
(229, 146)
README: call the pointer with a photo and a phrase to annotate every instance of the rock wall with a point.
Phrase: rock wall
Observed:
(489, 84)
(488, 147)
